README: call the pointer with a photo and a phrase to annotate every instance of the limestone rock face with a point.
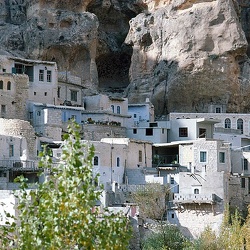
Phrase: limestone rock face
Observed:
(188, 55)
(185, 55)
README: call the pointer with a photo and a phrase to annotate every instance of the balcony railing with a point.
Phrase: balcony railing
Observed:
(17, 164)
(194, 198)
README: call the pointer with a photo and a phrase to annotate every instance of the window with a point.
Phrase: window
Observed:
(41, 75)
(140, 156)
(118, 109)
(73, 95)
(149, 131)
(8, 85)
(203, 156)
(118, 162)
(218, 110)
(38, 113)
(172, 180)
(134, 115)
(153, 124)
(240, 125)
(134, 131)
(3, 109)
(96, 161)
(221, 157)
(113, 108)
(49, 76)
(202, 133)
(172, 216)
(58, 92)
(183, 132)
(11, 150)
(34, 93)
(227, 123)
(4, 70)
(162, 130)
(245, 164)
(196, 191)
(1, 84)
(45, 93)
(243, 182)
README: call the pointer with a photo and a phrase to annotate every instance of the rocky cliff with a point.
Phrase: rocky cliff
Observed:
(185, 55)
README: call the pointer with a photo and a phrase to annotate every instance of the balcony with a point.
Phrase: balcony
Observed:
(165, 160)
(194, 198)
(17, 165)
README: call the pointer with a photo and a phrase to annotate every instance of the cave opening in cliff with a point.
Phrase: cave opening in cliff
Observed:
(113, 70)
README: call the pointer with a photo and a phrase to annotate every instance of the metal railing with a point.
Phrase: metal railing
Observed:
(17, 164)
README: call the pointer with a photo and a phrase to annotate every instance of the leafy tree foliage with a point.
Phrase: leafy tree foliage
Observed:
(60, 213)
(151, 200)
(168, 238)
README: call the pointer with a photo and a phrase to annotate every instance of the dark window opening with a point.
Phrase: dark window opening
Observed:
(149, 131)
(183, 132)
(202, 133)
(8, 85)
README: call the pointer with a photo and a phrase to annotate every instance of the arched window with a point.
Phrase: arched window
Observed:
(8, 85)
(118, 110)
(196, 191)
(1, 84)
(118, 162)
(96, 161)
(113, 108)
(240, 125)
(227, 123)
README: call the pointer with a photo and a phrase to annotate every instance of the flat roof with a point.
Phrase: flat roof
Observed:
(30, 61)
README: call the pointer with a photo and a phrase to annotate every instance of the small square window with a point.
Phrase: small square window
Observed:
(134, 131)
(149, 131)
(218, 110)
(183, 132)
(202, 133)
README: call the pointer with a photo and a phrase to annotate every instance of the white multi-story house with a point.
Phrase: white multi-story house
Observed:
(234, 128)
(115, 158)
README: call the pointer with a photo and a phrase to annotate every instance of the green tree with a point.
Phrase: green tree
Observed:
(151, 199)
(60, 213)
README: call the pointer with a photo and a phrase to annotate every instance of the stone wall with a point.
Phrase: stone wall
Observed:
(20, 128)
(97, 132)
(14, 99)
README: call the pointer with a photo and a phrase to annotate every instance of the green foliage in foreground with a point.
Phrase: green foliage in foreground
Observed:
(60, 213)
(168, 238)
